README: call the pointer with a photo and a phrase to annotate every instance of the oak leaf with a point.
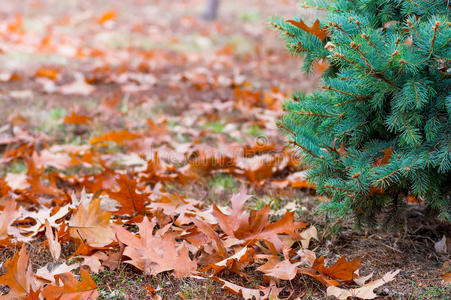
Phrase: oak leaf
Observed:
(388, 154)
(19, 276)
(283, 270)
(364, 292)
(71, 288)
(157, 253)
(131, 202)
(118, 137)
(52, 241)
(77, 119)
(246, 293)
(254, 227)
(341, 271)
(7, 217)
(315, 30)
(91, 224)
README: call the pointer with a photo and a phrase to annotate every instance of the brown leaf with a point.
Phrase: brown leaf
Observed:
(52, 241)
(364, 292)
(91, 224)
(131, 202)
(283, 270)
(7, 217)
(388, 153)
(254, 227)
(19, 276)
(342, 270)
(247, 294)
(234, 263)
(155, 253)
(315, 30)
(71, 288)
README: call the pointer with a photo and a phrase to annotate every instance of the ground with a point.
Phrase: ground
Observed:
(191, 88)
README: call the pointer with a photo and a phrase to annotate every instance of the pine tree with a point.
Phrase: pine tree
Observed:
(378, 128)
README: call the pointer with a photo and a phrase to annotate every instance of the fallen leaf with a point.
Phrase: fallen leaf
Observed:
(7, 218)
(247, 294)
(77, 119)
(364, 292)
(130, 200)
(441, 246)
(19, 276)
(307, 235)
(155, 253)
(284, 270)
(71, 288)
(118, 137)
(91, 224)
(54, 245)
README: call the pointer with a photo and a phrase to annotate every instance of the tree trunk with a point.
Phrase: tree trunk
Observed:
(211, 10)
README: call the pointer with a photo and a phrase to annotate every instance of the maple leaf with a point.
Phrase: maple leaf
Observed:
(91, 224)
(315, 30)
(155, 253)
(54, 245)
(71, 288)
(364, 292)
(19, 276)
(131, 202)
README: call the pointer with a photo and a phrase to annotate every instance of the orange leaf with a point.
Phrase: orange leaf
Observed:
(156, 253)
(388, 154)
(91, 224)
(49, 73)
(342, 270)
(107, 16)
(315, 30)
(115, 136)
(72, 288)
(131, 201)
(19, 276)
(77, 119)
(7, 217)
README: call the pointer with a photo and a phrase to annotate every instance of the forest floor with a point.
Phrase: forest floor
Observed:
(88, 87)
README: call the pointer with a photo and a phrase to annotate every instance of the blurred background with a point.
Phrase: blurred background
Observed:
(87, 39)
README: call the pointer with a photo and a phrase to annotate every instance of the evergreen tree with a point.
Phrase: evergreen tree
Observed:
(378, 128)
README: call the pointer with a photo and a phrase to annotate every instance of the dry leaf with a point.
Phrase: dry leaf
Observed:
(91, 225)
(19, 276)
(71, 288)
(364, 292)
(247, 294)
(315, 30)
(52, 241)
(155, 253)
